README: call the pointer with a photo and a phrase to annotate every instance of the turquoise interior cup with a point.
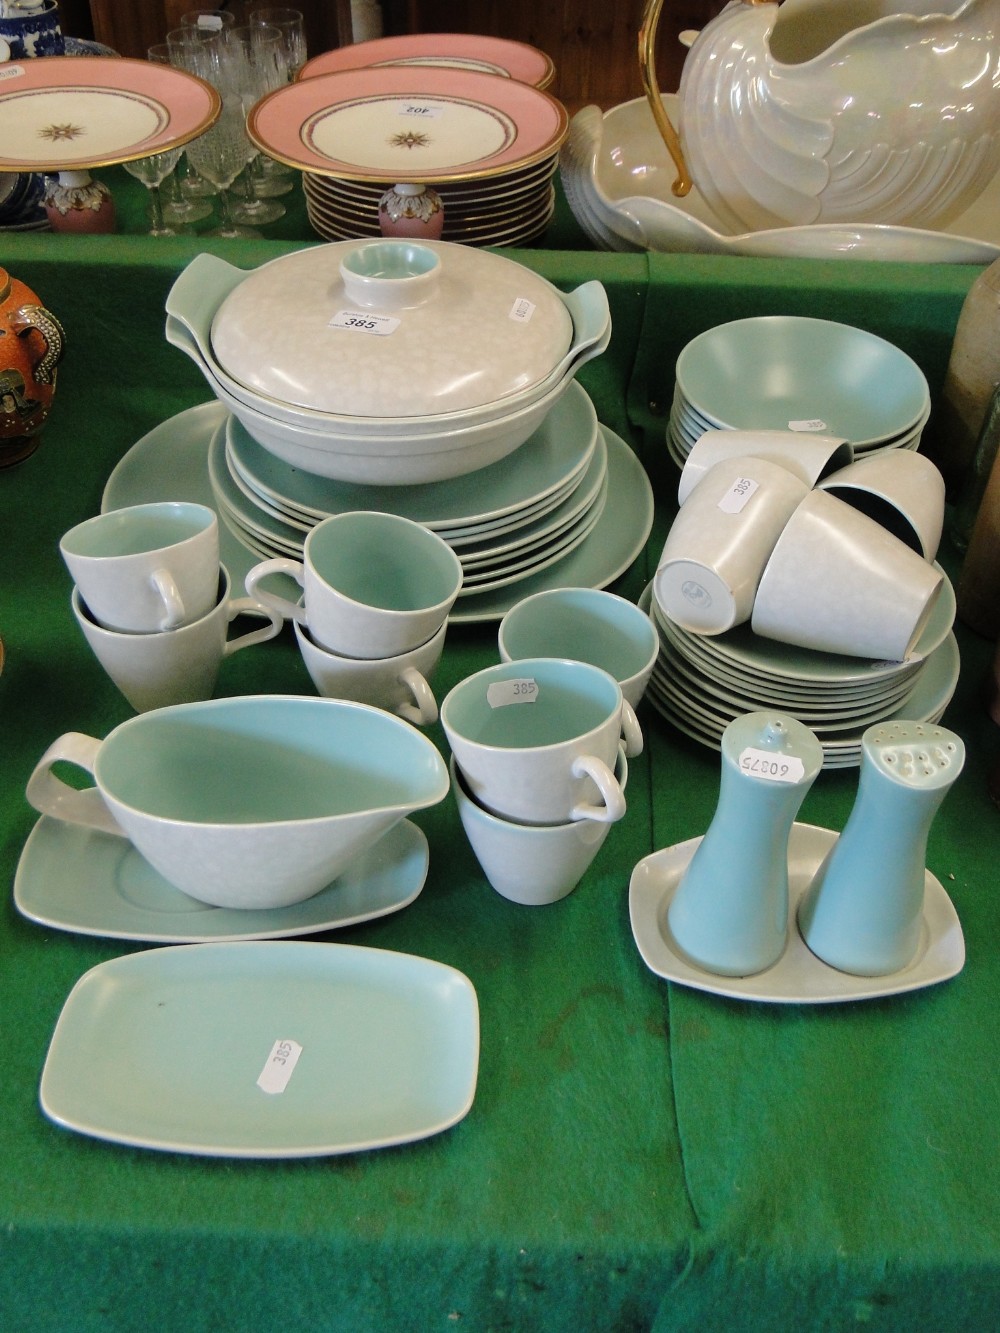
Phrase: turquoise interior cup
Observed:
(385, 561)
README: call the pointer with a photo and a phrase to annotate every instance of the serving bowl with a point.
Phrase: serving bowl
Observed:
(795, 372)
(252, 802)
(366, 350)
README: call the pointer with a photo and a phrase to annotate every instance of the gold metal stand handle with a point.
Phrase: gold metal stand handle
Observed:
(647, 67)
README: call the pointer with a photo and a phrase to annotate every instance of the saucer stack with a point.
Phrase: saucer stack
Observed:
(505, 524)
(701, 683)
(791, 372)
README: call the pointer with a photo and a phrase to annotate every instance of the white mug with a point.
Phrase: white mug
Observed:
(537, 740)
(720, 541)
(810, 457)
(374, 584)
(530, 863)
(839, 582)
(146, 567)
(588, 624)
(399, 684)
(174, 666)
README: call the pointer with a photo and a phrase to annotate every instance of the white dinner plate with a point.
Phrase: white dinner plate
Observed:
(798, 977)
(91, 883)
(276, 1049)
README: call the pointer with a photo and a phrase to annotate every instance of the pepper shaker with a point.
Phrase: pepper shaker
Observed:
(729, 914)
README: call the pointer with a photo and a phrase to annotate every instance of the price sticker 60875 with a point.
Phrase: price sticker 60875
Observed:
(770, 766)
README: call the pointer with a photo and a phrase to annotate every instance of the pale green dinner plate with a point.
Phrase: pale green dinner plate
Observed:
(91, 883)
(277, 1049)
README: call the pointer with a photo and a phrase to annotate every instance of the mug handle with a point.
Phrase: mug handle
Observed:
(631, 731)
(248, 606)
(170, 595)
(424, 710)
(286, 609)
(613, 809)
(51, 796)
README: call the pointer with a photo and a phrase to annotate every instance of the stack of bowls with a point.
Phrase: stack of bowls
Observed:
(793, 372)
(386, 362)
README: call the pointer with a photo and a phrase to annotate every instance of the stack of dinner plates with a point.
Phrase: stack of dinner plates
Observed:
(792, 372)
(504, 523)
(701, 683)
(487, 143)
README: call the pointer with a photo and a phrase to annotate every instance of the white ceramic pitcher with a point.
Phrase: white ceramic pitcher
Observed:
(835, 110)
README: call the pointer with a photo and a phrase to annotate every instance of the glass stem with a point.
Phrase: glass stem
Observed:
(156, 208)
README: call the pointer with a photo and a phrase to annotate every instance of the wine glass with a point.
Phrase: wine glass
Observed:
(275, 177)
(180, 206)
(152, 171)
(222, 152)
(258, 57)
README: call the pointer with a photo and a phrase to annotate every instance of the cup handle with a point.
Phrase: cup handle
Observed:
(613, 809)
(169, 594)
(424, 710)
(631, 731)
(249, 606)
(51, 796)
(286, 609)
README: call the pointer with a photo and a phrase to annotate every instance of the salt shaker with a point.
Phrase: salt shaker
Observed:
(863, 911)
(729, 914)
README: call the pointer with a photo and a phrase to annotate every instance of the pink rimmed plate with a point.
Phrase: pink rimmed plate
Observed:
(455, 50)
(408, 123)
(66, 112)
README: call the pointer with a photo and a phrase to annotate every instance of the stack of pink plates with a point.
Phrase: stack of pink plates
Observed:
(487, 142)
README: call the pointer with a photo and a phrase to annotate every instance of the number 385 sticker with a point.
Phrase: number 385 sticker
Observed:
(523, 690)
(363, 321)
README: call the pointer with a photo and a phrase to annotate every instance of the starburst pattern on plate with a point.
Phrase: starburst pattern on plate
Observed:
(410, 139)
(57, 133)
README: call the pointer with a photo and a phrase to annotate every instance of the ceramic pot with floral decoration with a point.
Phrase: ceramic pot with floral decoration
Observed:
(31, 346)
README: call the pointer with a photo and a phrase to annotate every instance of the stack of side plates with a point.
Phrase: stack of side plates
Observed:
(488, 144)
(513, 209)
(701, 683)
(791, 372)
(504, 523)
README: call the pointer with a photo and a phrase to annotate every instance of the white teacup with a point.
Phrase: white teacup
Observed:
(531, 863)
(839, 582)
(720, 541)
(146, 567)
(374, 584)
(810, 457)
(587, 624)
(537, 740)
(254, 801)
(174, 666)
(399, 684)
(898, 488)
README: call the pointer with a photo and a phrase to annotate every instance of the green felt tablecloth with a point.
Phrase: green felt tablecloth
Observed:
(638, 1155)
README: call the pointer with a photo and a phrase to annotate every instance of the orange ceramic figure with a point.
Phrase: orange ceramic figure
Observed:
(31, 345)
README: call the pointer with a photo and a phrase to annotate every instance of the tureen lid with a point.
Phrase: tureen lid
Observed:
(391, 328)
